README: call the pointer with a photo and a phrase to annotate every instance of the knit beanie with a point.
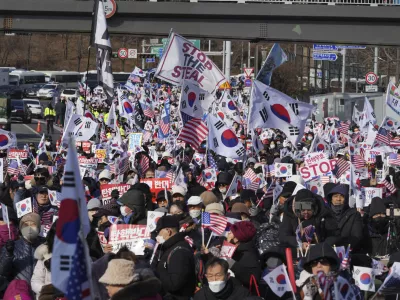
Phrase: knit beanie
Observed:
(244, 231)
(31, 217)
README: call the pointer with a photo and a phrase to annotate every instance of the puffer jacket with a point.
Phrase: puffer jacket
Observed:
(20, 263)
(41, 275)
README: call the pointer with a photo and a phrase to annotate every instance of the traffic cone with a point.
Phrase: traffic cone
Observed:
(39, 127)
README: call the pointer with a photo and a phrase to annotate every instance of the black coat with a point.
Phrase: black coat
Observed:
(21, 263)
(350, 229)
(247, 263)
(231, 291)
(176, 271)
(375, 244)
(60, 107)
(323, 220)
(148, 288)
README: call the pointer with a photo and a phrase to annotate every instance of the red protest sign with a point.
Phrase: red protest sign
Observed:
(106, 190)
(84, 161)
(316, 169)
(86, 146)
(227, 250)
(156, 185)
(14, 153)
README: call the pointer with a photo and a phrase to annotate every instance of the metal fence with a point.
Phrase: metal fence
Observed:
(322, 2)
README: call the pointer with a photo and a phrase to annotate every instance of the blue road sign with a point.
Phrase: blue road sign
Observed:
(150, 60)
(351, 47)
(247, 82)
(160, 52)
(324, 47)
(325, 56)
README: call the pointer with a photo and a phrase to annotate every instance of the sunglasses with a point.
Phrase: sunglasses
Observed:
(322, 261)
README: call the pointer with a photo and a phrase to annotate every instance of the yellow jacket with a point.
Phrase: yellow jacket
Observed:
(49, 112)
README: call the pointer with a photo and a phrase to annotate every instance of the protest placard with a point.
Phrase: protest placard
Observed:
(134, 141)
(314, 158)
(370, 155)
(14, 153)
(88, 162)
(102, 239)
(227, 250)
(100, 154)
(106, 190)
(371, 193)
(131, 236)
(322, 167)
(156, 185)
(86, 146)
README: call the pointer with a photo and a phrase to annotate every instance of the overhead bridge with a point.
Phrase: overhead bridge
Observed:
(255, 21)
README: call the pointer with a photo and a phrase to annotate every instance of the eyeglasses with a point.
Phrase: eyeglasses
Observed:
(322, 261)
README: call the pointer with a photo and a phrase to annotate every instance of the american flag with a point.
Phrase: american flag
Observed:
(357, 161)
(325, 283)
(147, 135)
(164, 120)
(13, 168)
(356, 137)
(211, 161)
(346, 259)
(390, 186)
(216, 223)
(147, 111)
(250, 174)
(171, 176)
(78, 287)
(383, 136)
(362, 152)
(270, 171)
(394, 159)
(395, 142)
(189, 240)
(343, 127)
(341, 167)
(194, 133)
(309, 233)
(325, 179)
(123, 165)
(144, 164)
(200, 180)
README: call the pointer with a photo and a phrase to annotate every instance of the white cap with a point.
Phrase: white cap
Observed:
(166, 154)
(105, 174)
(177, 189)
(194, 200)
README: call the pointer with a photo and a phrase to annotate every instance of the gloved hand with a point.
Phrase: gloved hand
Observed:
(10, 246)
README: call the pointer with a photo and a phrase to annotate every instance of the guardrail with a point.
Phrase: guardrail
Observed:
(322, 2)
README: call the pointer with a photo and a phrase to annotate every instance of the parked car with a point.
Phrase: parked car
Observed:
(48, 90)
(32, 92)
(20, 111)
(35, 107)
(15, 92)
(70, 94)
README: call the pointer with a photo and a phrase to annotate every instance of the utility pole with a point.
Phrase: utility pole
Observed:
(228, 45)
(343, 70)
(143, 51)
(248, 55)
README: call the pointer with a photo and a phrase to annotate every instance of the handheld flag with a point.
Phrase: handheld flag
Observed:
(278, 281)
(275, 58)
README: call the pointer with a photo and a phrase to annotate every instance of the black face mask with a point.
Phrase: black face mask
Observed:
(104, 226)
(337, 209)
(380, 224)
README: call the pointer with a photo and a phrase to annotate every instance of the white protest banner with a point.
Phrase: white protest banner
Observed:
(314, 170)
(283, 170)
(371, 193)
(131, 236)
(106, 190)
(24, 207)
(182, 60)
(393, 98)
(370, 155)
(134, 141)
(314, 158)
(14, 153)
(152, 219)
(227, 250)
(88, 162)
(102, 239)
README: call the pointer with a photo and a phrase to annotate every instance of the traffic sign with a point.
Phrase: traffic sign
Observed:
(324, 47)
(132, 53)
(371, 88)
(371, 78)
(150, 60)
(351, 47)
(324, 56)
(247, 82)
(248, 72)
(110, 7)
(122, 53)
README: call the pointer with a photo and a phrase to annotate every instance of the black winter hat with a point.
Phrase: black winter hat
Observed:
(377, 207)
(322, 250)
(288, 189)
(167, 222)
(248, 195)
(224, 178)
(133, 198)
(304, 195)
(143, 187)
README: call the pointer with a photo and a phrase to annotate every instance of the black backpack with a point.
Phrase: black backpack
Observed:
(267, 237)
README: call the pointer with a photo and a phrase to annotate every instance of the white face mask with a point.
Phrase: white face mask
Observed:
(222, 190)
(272, 146)
(160, 239)
(216, 286)
(195, 213)
(309, 138)
(123, 210)
(47, 143)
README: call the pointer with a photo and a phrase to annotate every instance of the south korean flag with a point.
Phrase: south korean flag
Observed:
(223, 140)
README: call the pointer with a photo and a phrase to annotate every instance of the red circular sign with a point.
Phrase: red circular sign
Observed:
(123, 53)
(371, 78)
(110, 7)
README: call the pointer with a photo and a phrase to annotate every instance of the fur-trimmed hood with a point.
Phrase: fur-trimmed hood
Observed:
(148, 288)
(42, 252)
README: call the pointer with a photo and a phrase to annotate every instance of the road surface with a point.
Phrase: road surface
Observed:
(26, 133)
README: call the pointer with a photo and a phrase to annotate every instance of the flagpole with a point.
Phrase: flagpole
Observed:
(86, 83)
(287, 276)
